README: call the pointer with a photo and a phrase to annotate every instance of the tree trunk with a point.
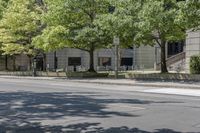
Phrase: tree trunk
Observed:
(44, 62)
(163, 57)
(6, 62)
(14, 63)
(91, 69)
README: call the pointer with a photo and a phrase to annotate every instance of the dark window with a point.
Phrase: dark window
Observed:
(55, 60)
(126, 61)
(104, 61)
(175, 48)
(39, 64)
(74, 61)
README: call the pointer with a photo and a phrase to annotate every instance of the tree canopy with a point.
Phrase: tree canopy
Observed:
(121, 20)
(20, 23)
(72, 23)
(158, 25)
(189, 14)
(29, 25)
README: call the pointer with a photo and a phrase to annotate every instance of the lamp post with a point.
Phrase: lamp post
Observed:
(116, 42)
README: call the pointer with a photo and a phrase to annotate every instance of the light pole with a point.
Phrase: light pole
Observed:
(116, 42)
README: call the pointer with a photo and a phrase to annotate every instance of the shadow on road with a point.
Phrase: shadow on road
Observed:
(20, 110)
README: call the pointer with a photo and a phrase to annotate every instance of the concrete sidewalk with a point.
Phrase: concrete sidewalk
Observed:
(122, 82)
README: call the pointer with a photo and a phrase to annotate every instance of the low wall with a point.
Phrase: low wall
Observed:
(29, 73)
(158, 76)
(57, 74)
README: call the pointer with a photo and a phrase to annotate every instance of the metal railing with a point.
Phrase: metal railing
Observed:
(173, 59)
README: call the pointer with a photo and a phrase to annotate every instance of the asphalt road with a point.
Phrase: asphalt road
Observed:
(40, 106)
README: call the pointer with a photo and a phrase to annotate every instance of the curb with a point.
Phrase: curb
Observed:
(143, 85)
(106, 83)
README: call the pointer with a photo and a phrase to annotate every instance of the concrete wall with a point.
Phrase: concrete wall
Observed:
(64, 54)
(2, 63)
(22, 63)
(145, 57)
(192, 46)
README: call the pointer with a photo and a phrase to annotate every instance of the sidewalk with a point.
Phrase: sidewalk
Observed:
(128, 82)
(122, 82)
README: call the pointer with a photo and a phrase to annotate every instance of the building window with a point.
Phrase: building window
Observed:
(126, 61)
(74, 61)
(175, 48)
(104, 61)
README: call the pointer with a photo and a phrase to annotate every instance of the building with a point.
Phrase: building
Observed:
(141, 58)
(144, 57)
(192, 46)
(77, 60)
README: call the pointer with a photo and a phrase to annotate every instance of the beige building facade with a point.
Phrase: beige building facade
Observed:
(192, 46)
(141, 58)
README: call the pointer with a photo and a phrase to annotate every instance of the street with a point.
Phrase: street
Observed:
(38, 106)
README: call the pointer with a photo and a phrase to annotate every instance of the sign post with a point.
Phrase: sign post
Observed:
(116, 42)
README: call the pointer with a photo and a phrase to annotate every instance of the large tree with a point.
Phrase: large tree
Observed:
(72, 23)
(158, 25)
(19, 25)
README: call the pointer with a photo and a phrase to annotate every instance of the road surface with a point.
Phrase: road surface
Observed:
(42, 106)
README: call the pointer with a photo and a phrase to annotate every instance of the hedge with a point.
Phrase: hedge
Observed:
(195, 64)
(86, 75)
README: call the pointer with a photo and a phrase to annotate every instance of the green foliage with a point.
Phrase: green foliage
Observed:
(71, 23)
(20, 23)
(157, 22)
(86, 75)
(189, 14)
(52, 38)
(158, 25)
(12, 49)
(3, 5)
(195, 64)
(121, 22)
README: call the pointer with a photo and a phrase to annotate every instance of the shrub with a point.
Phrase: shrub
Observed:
(195, 64)
(86, 75)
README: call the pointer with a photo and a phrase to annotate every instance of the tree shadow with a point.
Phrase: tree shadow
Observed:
(81, 128)
(17, 109)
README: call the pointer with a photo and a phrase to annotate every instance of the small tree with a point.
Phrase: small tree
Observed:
(19, 25)
(158, 26)
(71, 23)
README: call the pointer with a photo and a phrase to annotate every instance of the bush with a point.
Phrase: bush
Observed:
(86, 75)
(195, 64)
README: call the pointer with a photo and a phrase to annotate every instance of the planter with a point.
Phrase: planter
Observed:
(86, 75)
(158, 76)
